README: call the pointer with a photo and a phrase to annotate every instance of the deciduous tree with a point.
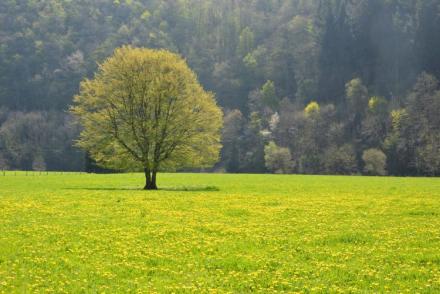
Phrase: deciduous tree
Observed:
(145, 110)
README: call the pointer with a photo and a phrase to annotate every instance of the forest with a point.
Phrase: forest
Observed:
(306, 86)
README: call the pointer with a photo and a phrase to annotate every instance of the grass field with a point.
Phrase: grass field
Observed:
(219, 233)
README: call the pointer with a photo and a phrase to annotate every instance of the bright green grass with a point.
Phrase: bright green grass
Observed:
(219, 233)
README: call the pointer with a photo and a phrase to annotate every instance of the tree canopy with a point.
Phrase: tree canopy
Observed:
(145, 110)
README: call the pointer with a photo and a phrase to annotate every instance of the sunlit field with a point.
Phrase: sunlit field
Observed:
(78, 233)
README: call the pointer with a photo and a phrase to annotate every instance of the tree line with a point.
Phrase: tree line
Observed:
(370, 136)
(313, 86)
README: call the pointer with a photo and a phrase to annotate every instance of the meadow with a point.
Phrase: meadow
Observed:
(202, 233)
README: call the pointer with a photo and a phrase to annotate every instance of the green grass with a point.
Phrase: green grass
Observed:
(219, 233)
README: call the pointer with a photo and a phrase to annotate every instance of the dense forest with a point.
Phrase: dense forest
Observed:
(307, 86)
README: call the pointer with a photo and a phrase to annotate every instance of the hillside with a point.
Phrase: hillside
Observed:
(265, 60)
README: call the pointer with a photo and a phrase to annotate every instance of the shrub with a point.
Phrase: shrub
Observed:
(278, 159)
(340, 160)
(375, 162)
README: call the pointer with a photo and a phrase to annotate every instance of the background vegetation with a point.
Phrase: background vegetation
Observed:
(361, 62)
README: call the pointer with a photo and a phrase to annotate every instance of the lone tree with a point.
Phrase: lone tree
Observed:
(145, 110)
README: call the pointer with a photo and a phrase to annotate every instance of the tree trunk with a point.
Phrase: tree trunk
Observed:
(150, 180)
(147, 179)
(153, 181)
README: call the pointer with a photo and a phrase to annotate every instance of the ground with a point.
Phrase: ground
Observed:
(81, 233)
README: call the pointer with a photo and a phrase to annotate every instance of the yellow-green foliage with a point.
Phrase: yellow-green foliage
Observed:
(376, 103)
(397, 118)
(242, 234)
(145, 109)
(312, 108)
